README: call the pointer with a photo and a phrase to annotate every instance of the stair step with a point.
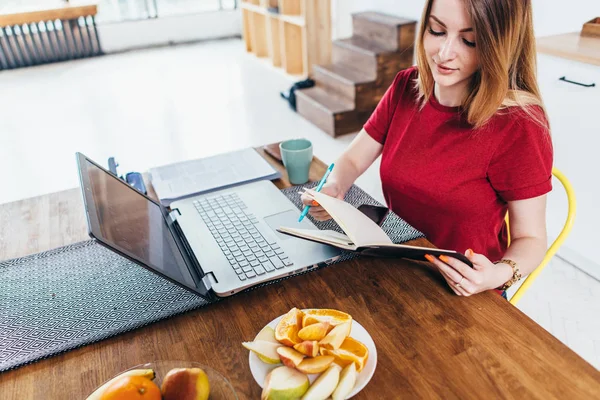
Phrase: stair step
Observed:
(333, 103)
(340, 79)
(330, 112)
(390, 32)
(345, 74)
(359, 54)
(383, 19)
(363, 45)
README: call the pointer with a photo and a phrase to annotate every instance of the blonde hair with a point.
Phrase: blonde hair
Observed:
(507, 57)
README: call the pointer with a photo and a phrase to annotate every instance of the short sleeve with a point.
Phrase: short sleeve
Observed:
(378, 124)
(521, 167)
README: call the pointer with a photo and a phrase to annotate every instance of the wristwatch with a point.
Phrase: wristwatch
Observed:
(516, 275)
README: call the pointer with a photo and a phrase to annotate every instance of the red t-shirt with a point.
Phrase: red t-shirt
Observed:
(450, 181)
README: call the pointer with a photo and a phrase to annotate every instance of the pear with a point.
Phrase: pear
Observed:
(185, 384)
(325, 384)
(98, 393)
(267, 334)
(266, 351)
(347, 382)
(284, 383)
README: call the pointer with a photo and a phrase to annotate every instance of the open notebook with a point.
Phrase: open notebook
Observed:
(362, 234)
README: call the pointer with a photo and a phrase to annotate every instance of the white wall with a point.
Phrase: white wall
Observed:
(119, 36)
(550, 16)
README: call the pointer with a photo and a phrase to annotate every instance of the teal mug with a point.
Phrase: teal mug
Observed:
(297, 155)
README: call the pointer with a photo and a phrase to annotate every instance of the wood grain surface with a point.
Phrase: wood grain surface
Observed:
(572, 46)
(430, 343)
(46, 11)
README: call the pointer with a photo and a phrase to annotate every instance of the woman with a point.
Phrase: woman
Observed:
(464, 138)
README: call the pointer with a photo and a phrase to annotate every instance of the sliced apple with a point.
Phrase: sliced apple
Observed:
(284, 383)
(315, 365)
(290, 357)
(266, 351)
(325, 384)
(335, 338)
(267, 334)
(308, 348)
(315, 331)
(346, 383)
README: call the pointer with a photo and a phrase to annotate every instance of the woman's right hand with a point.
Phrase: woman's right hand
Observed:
(316, 211)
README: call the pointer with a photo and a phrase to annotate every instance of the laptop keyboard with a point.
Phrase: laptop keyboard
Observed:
(234, 227)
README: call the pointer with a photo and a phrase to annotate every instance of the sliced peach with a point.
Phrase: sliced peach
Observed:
(315, 331)
(286, 331)
(315, 365)
(308, 348)
(336, 337)
(290, 357)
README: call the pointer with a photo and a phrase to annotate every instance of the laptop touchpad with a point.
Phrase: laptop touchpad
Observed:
(286, 218)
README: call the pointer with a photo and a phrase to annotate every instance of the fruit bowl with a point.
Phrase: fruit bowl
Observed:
(220, 387)
(261, 369)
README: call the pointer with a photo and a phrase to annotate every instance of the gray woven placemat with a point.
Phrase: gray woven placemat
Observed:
(68, 297)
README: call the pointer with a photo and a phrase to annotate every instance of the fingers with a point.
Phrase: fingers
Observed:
(460, 267)
(443, 267)
(451, 284)
(477, 259)
(465, 287)
(319, 215)
(306, 199)
(456, 289)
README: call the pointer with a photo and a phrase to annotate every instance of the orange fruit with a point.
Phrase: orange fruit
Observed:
(350, 351)
(286, 331)
(132, 388)
(334, 317)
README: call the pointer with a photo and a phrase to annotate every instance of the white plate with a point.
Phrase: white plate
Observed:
(260, 369)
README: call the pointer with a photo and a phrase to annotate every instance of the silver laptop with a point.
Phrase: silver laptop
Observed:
(215, 244)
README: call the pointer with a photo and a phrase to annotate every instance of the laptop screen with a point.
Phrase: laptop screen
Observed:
(133, 225)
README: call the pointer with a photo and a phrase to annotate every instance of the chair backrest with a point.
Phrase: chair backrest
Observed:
(557, 242)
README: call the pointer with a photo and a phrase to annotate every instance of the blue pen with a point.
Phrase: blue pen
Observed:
(318, 189)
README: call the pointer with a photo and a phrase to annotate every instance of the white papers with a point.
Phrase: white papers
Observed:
(188, 178)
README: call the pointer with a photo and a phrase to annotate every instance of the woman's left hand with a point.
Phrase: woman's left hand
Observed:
(466, 281)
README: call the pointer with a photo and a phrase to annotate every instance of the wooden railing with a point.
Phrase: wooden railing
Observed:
(47, 34)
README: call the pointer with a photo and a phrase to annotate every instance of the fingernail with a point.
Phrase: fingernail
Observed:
(469, 252)
(429, 257)
(444, 258)
(314, 203)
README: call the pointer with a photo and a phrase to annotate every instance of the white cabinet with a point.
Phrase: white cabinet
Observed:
(574, 113)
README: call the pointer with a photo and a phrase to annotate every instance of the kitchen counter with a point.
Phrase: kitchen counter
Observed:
(572, 46)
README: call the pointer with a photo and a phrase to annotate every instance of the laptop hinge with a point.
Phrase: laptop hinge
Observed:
(209, 280)
(173, 216)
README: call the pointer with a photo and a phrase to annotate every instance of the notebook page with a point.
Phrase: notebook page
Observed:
(359, 228)
(330, 237)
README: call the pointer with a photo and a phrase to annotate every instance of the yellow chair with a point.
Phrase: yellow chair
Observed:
(557, 242)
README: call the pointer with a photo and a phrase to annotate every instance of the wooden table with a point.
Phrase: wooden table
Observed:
(430, 343)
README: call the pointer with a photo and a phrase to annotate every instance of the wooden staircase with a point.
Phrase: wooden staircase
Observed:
(363, 66)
